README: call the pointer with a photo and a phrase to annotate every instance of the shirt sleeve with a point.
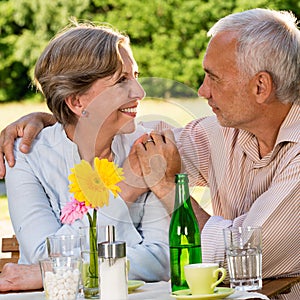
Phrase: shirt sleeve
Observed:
(150, 259)
(275, 207)
(277, 212)
(194, 148)
(144, 227)
(31, 213)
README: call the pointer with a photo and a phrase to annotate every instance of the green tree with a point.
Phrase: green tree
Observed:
(168, 37)
(26, 27)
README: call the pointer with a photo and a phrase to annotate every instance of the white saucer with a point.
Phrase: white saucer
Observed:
(220, 293)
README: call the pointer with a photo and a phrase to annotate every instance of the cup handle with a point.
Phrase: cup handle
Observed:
(223, 271)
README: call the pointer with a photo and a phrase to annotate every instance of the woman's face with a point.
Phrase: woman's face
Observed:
(111, 103)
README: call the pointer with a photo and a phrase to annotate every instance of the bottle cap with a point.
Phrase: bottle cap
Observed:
(111, 248)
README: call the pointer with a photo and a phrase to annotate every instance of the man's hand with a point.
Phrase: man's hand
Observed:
(16, 277)
(27, 127)
(160, 161)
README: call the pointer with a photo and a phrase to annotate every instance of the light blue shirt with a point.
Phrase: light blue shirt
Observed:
(37, 190)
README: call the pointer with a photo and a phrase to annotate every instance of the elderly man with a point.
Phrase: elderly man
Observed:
(249, 152)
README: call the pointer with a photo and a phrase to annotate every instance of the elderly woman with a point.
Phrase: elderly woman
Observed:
(89, 79)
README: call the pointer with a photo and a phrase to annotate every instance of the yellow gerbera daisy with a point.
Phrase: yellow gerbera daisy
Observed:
(109, 173)
(92, 185)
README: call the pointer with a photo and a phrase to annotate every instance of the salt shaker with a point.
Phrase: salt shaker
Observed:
(112, 267)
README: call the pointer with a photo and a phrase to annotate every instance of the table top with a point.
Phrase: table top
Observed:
(161, 291)
(149, 291)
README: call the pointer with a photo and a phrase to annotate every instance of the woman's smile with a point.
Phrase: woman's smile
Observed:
(129, 111)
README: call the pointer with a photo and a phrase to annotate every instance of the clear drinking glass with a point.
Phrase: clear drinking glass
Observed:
(243, 247)
(64, 245)
(61, 277)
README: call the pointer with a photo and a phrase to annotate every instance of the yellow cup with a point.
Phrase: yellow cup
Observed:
(202, 278)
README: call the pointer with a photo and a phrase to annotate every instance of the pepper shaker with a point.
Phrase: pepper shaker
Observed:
(112, 267)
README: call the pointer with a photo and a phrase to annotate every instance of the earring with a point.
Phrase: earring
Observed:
(84, 113)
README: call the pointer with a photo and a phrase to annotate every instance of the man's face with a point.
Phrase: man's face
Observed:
(227, 91)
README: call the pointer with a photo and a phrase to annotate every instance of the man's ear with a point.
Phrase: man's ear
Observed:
(263, 86)
(74, 104)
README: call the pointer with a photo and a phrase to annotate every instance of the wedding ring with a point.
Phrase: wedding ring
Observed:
(148, 141)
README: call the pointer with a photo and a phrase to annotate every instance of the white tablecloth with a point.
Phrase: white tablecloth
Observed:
(149, 291)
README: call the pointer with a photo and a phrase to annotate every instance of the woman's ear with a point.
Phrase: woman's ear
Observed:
(74, 104)
(263, 86)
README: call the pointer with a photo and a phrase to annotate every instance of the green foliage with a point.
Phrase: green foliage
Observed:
(168, 37)
(26, 26)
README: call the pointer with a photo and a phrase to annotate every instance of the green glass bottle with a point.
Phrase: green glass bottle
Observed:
(184, 235)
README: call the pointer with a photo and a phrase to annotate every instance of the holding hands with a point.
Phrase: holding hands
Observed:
(159, 161)
(159, 158)
(151, 165)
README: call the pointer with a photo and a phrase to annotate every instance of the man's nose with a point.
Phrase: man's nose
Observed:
(204, 89)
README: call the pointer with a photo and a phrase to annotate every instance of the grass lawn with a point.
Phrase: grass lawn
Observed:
(5, 223)
(6, 229)
(4, 215)
(12, 111)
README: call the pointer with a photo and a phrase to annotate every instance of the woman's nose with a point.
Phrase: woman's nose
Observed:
(137, 91)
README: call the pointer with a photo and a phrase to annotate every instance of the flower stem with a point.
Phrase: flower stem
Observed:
(93, 269)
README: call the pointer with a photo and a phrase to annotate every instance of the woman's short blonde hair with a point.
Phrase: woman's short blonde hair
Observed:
(73, 60)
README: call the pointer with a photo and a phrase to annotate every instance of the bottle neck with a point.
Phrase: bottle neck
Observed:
(182, 194)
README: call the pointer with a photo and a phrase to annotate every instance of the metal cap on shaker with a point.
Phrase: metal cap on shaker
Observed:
(111, 248)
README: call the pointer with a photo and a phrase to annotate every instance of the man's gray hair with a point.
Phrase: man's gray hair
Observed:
(267, 40)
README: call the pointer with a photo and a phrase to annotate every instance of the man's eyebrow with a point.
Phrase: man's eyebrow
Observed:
(211, 73)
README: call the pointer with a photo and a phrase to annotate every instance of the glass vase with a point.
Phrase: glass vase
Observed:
(89, 254)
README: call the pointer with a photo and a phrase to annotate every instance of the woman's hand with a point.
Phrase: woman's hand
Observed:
(134, 184)
(27, 127)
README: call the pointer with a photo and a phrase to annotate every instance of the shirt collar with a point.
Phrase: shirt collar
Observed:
(288, 132)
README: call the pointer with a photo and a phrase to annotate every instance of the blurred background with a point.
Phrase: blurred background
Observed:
(168, 39)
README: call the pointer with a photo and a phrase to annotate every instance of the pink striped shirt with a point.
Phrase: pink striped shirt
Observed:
(246, 189)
